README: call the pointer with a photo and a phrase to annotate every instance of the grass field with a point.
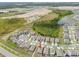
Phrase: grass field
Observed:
(48, 26)
(9, 25)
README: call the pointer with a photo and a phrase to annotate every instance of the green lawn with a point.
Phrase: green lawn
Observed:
(10, 44)
(9, 25)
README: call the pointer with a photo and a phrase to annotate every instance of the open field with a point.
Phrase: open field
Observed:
(13, 11)
(9, 25)
(39, 12)
(48, 26)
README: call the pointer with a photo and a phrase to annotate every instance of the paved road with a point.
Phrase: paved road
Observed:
(6, 53)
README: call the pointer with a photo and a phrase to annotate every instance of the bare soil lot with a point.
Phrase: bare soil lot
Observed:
(39, 12)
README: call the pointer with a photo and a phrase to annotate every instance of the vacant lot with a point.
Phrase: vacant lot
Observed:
(9, 25)
(38, 12)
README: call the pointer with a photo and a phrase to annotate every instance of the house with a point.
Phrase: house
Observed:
(40, 50)
(65, 28)
(23, 37)
(72, 52)
(66, 36)
(3, 11)
(32, 33)
(19, 42)
(46, 51)
(33, 38)
(56, 40)
(48, 39)
(52, 52)
(32, 48)
(59, 53)
(77, 35)
(66, 40)
(52, 40)
(24, 45)
(41, 38)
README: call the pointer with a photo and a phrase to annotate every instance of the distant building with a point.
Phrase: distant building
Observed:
(3, 11)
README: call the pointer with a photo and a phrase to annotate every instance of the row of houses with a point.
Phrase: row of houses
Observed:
(27, 36)
(71, 33)
(22, 39)
(52, 52)
(70, 30)
(66, 34)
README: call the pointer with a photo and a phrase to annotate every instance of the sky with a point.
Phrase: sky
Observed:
(39, 0)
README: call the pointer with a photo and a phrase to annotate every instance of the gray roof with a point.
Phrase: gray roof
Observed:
(41, 38)
(73, 52)
(52, 51)
(34, 37)
(47, 38)
(40, 50)
(77, 34)
(32, 48)
(24, 45)
(52, 40)
(66, 36)
(66, 40)
(59, 52)
(65, 28)
(23, 37)
(19, 42)
(46, 51)
(32, 33)
(56, 40)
